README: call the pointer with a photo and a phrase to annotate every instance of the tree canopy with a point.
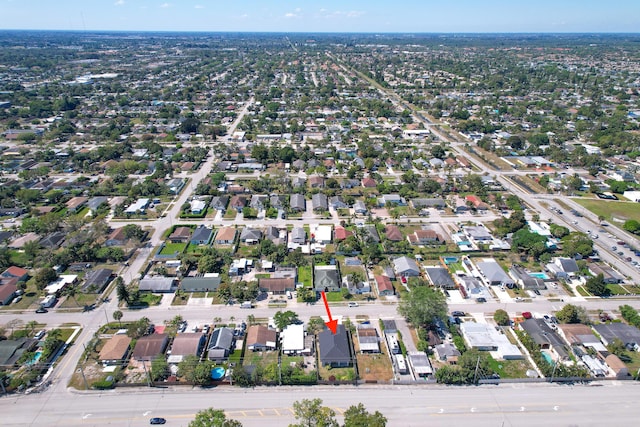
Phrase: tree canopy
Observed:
(423, 305)
(213, 418)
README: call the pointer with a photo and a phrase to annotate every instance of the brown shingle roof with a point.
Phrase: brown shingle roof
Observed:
(150, 346)
(115, 348)
(260, 334)
(277, 284)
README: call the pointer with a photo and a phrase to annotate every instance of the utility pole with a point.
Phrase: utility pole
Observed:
(144, 365)
(475, 374)
(86, 386)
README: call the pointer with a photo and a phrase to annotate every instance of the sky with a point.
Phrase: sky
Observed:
(372, 16)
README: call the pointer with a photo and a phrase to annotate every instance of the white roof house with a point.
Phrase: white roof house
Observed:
(293, 341)
(484, 337)
(60, 283)
(139, 206)
(322, 234)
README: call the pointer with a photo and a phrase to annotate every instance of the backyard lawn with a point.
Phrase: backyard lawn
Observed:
(373, 367)
(173, 248)
(304, 276)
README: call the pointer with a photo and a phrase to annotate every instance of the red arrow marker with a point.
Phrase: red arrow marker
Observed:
(331, 324)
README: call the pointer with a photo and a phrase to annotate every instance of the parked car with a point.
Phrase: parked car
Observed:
(157, 420)
(527, 314)
(353, 304)
(481, 299)
(458, 313)
(42, 310)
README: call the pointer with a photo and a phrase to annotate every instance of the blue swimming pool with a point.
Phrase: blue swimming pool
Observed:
(35, 359)
(540, 275)
(450, 259)
(217, 373)
(548, 358)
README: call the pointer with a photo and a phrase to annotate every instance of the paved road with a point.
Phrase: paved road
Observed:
(614, 403)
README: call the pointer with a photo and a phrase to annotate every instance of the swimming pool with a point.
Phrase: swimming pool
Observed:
(35, 359)
(450, 259)
(217, 373)
(548, 358)
(540, 275)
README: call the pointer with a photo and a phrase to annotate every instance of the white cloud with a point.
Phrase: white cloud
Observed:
(290, 15)
(119, 3)
(199, 6)
(165, 5)
(341, 14)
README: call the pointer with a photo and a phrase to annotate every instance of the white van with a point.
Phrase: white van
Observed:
(246, 304)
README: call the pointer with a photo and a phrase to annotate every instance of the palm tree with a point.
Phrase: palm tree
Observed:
(31, 326)
(117, 315)
(71, 291)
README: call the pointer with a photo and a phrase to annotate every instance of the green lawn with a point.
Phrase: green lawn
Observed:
(173, 248)
(582, 291)
(611, 208)
(510, 368)
(304, 276)
(616, 289)
(334, 296)
(80, 300)
(150, 299)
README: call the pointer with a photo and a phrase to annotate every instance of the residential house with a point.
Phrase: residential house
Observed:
(238, 203)
(316, 181)
(151, 346)
(341, 233)
(117, 237)
(202, 235)
(326, 278)
(437, 203)
(225, 236)
(220, 344)
(198, 206)
(298, 236)
(494, 274)
(276, 235)
(609, 274)
(97, 280)
(277, 285)
(277, 201)
(563, 267)
(360, 208)
(207, 282)
(319, 202)
(405, 266)
(368, 339)
(219, 203)
(370, 234)
(524, 279)
(157, 284)
(297, 203)
(629, 335)
(419, 363)
(447, 352)
(393, 233)
(138, 207)
(294, 341)
(53, 240)
(180, 235)
(385, 287)
(115, 350)
(485, 337)
(250, 236)
(440, 277)
(261, 338)
(545, 337)
(12, 350)
(334, 349)
(259, 201)
(75, 203)
(321, 234)
(186, 344)
(476, 203)
(95, 202)
(298, 182)
(336, 202)
(369, 182)
(392, 200)
(424, 237)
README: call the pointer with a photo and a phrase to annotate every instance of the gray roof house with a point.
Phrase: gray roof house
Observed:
(336, 202)
(494, 274)
(297, 203)
(608, 332)
(157, 284)
(220, 344)
(273, 233)
(334, 349)
(319, 202)
(250, 235)
(202, 235)
(219, 202)
(326, 278)
(440, 277)
(203, 283)
(97, 280)
(277, 201)
(370, 234)
(298, 235)
(428, 203)
(406, 266)
(545, 337)
(95, 202)
(258, 201)
(524, 280)
(359, 207)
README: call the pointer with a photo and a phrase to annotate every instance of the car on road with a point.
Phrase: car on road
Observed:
(518, 299)
(353, 304)
(42, 310)
(481, 299)
(458, 313)
(157, 420)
